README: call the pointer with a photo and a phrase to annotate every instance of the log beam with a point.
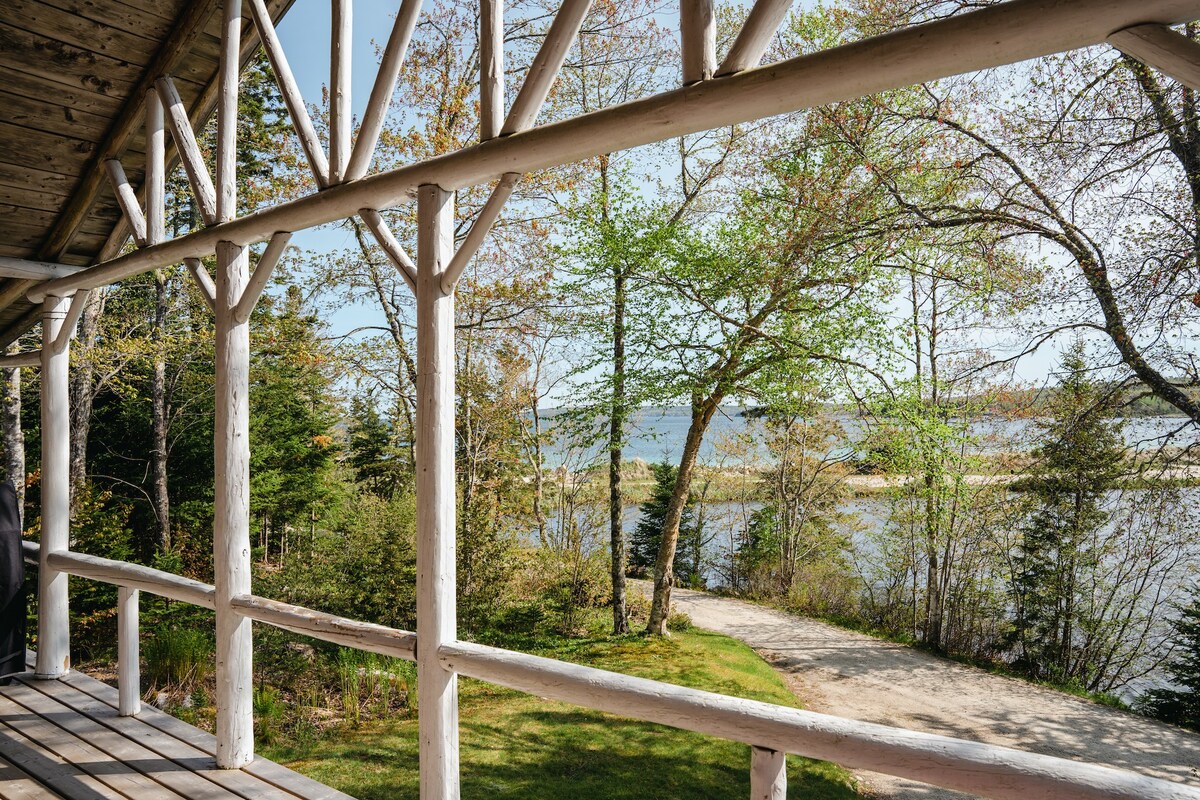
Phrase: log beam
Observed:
(129, 681)
(1163, 49)
(54, 641)
(156, 170)
(231, 524)
(262, 273)
(382, 90)
(29, 272)
(697, 40)
(189, 151)
(391, 247)
(127, 200)
(993, 36)
(292, 98)
(768, 774)
(759, 29)
(564, 30)
(479, 230)
(341, 49)
(491, 68)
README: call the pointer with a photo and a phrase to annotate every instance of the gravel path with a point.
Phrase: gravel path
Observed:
(852, 675)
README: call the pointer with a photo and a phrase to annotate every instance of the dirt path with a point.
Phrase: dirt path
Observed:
(852, 675)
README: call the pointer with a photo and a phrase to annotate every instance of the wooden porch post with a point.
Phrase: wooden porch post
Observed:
(54, 642)
(231, 528)
(436, 580)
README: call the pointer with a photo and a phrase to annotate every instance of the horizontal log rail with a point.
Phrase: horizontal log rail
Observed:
(329, 627)
(981, 769)
(1001, 34)
(134, 576)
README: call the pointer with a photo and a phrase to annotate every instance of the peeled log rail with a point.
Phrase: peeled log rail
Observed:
(991, 37)
(981, 769)
(134, 576)
(329, 627)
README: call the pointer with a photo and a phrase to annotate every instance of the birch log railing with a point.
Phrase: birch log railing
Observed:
(770, 730)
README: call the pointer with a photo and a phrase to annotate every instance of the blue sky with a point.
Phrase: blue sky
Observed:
(304, 32)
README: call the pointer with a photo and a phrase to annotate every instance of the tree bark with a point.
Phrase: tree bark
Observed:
(159, 412)
(664, 575)
(616, 436)
(14, 439)
(83, 391)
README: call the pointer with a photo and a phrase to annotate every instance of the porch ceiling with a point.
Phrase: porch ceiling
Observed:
(73, 78)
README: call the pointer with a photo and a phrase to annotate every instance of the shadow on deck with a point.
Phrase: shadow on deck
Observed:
(64, 739)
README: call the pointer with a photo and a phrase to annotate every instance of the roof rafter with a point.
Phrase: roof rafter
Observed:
(993, 36)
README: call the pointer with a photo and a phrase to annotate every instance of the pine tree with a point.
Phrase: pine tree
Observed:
(1077, 464)
(643, 544)
(1181, 705)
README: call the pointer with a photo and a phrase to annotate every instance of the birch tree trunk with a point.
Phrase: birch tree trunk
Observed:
(158, 399)
(83, 391)
(14, 440)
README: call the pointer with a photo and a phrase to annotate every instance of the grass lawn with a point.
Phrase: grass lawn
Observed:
(518, 746)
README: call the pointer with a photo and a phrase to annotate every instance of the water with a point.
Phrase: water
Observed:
(658, 434)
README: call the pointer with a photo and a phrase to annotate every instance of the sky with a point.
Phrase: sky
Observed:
(304, 32)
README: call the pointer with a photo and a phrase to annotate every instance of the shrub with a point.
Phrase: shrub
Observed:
(679, 622)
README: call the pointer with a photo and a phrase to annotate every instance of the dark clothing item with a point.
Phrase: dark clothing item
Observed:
(12, 585)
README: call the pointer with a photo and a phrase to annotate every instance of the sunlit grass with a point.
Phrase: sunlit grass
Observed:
(518, 746)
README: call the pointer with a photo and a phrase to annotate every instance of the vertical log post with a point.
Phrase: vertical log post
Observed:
(54, 642)
(339, 90)
(231, 533)
(768, 774)
(436, 614)
(129, 677)
(698, 40)
(156, 149)
(491, 68)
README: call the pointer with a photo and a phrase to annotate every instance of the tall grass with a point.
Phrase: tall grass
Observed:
(178, 657)
(375, 686)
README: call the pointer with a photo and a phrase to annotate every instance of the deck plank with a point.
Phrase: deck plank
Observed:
(17, 784)
(123, 780)
(268, 771)
(236, 782)
(49, 769)
(125, 750)
(274, 774)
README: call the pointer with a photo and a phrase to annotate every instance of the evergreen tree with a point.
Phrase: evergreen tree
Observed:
(1077, 464)
(372, 450)
(1181, 706)
(644, 543)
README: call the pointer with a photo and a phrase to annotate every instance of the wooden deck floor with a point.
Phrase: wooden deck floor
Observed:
(63, 739)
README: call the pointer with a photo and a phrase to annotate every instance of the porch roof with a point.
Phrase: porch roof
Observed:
(74, 77)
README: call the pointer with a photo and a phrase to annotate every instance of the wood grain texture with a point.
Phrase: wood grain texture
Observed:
(437, 685)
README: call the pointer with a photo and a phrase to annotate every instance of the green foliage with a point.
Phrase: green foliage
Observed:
(291, 446)
(1077, 464)
(645, 539)
(374, 686)
(1180, 704)
(373, 451)
(374, 544)
(177, 657)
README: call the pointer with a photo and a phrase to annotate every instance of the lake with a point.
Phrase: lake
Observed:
(658, 434)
